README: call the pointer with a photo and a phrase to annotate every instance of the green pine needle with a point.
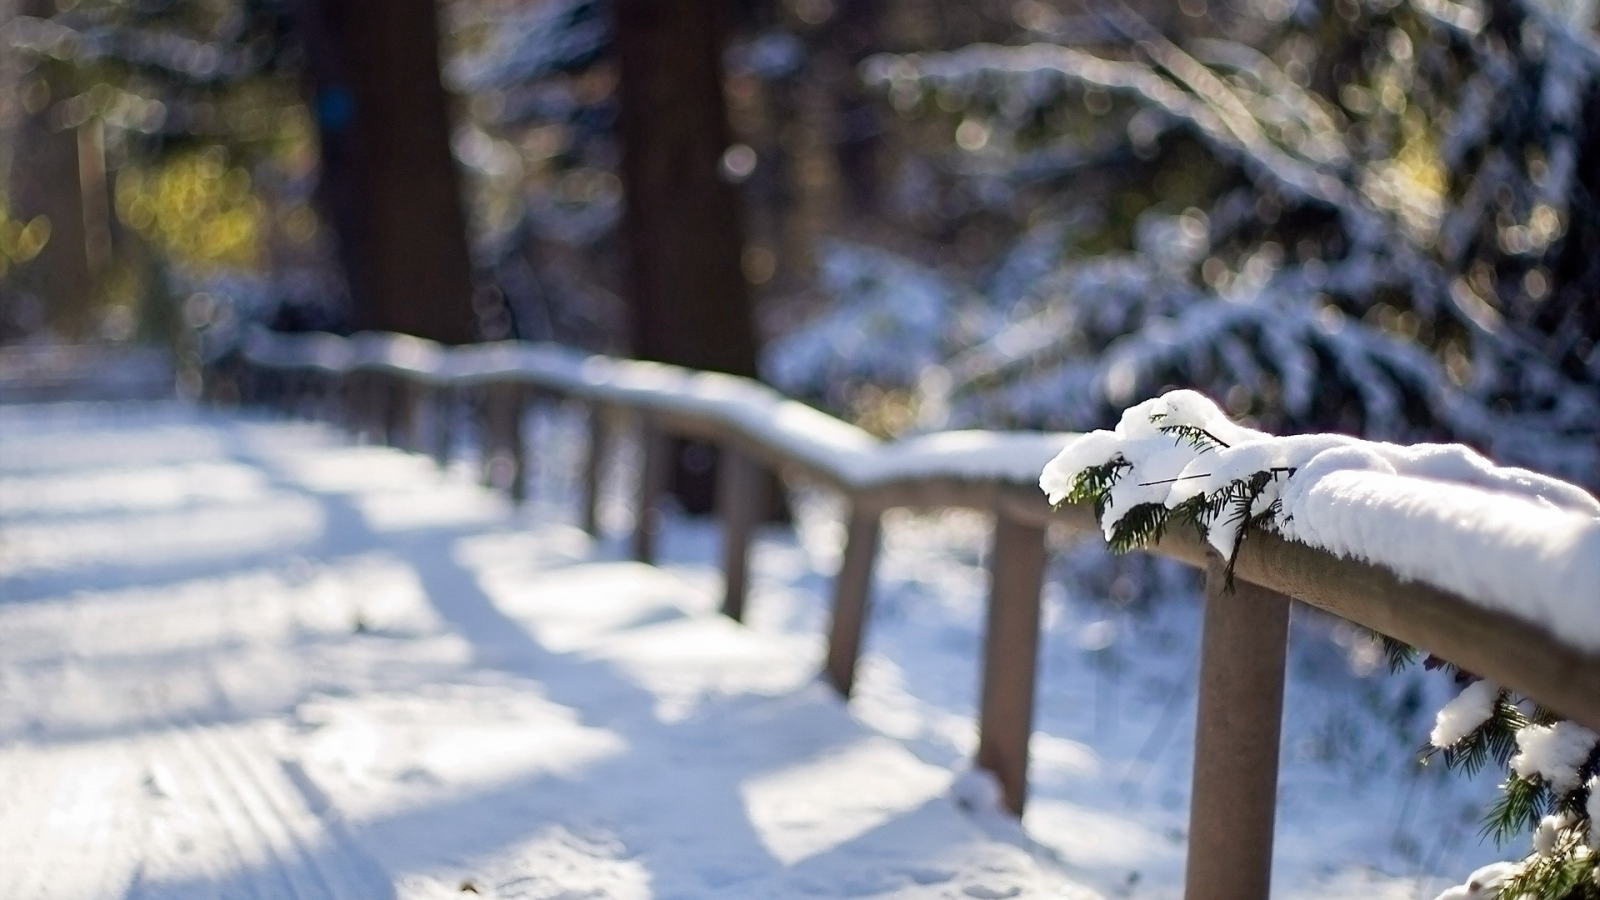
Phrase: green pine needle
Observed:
(1094, 483)
(1139, 527)
(1495, 739)
(1565, 873)
(1193, 435)
(1522, 802)
(1398, 653)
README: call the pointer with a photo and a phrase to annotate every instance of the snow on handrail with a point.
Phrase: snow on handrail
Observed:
(1508, 539)
(1534, 556)
(793, 430)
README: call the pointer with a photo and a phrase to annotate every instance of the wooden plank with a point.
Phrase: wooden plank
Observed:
(594, 468)
(1010, 655)
(655, 448)
(852, 591)
(1497, 646)
(930, 492)
(741, 500)
(1234, 800)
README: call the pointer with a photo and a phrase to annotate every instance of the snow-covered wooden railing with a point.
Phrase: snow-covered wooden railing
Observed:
(1552, 655)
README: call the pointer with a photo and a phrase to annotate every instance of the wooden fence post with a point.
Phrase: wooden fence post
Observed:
(366, 407)
(288, 395)
(741, 499)
(852, 590)
(1010, 655)
(517, 442)
(653, 468)
(411, 414)
(504, 450)
(393, 409)
(594, 468)
(481, 406)
(373, 422)
(441, 409)
(375, 408)
(320, 397)
(1235, 793)
(349, 390)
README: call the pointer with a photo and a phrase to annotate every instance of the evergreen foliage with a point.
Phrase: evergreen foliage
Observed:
(1363, 217)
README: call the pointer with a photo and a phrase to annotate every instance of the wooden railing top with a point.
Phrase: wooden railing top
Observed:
(996, 471)
(784, 431)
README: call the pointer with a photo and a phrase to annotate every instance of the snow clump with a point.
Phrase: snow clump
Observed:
(1550, 828)
(1554, 753)
(1592, 811)
(1482, 884)
(1463, 715)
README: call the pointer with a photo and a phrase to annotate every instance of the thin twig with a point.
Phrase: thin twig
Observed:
(1171, 480)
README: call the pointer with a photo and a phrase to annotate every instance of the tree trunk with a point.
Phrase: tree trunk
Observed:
(857, 135)
(389, 184)
(45, 181)
(689, 301)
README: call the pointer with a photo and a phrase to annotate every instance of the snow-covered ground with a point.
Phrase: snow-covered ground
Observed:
(240, 657)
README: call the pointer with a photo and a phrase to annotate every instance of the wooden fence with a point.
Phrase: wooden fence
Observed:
(396, 389)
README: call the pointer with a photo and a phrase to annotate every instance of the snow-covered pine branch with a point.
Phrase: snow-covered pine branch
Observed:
(1507, 539)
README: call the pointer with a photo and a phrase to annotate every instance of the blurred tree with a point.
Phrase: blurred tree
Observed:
(389, 184)
(1371, 216)
(177, 110)
(195, 102)
(852, 35)
(541, 152)
(686, 287)
(46, 181)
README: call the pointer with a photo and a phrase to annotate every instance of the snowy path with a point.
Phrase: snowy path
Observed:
(243, 659)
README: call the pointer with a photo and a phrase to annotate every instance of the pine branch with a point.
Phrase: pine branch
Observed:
(1193, 435)
(1139, 527)
(1544, 715)
(1398, 653)
(1437, 662)
(1521, 804)
(1495, 739)
(1192, 511)
(1094, 483)
(1241, 497)
(1565, 873)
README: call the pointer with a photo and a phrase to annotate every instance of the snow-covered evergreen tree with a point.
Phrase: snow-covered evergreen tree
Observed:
(1369, 217)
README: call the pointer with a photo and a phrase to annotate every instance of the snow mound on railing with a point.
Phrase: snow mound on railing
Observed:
(1442, 514)
(803, 433)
